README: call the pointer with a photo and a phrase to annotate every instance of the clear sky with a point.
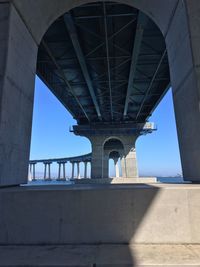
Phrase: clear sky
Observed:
(158, 153)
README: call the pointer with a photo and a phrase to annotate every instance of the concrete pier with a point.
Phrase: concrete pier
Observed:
(112, 142)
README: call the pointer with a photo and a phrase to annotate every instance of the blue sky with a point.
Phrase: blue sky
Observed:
(158, 153)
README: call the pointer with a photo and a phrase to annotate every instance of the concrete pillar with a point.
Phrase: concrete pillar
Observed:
(100, 154)
(89, 172)
(97, 162)
(183, 39)
(131, 161)
(72, 169)
(105, 166)
(123, 167)
(47, 171)
(32, 172)
(85, 169)
(18, 54)
(59, 171)
(78, 170)
(64, 174)
(116, 168)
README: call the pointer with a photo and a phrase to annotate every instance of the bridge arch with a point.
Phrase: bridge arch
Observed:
(40, 21)
(113, 149)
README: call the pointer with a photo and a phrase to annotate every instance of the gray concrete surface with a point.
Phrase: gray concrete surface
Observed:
(101, 255)
(95, 214)
(17, 75)
(140, 180)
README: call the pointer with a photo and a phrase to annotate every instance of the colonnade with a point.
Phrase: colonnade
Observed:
(61, 174)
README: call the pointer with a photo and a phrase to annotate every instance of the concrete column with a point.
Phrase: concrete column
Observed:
(45, 171)
(85, 169)
(131, 161)
(32, 172)
(59, 171)
(72, 169)
(123, 167)
(78, 170)
(116, 168)
(183, 39)
(97, 157)
(64, 175)
(105, 166)
(18, 55)
(49, 171)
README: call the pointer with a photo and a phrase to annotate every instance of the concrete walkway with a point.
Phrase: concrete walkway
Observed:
(101, 255)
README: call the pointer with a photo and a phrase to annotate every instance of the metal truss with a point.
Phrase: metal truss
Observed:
(105, 62)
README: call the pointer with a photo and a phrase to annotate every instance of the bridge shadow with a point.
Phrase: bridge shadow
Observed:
(121, 213)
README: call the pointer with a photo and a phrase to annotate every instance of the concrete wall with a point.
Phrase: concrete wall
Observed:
(39, 15)
(183, 49)
(18, 54)
(102, 214)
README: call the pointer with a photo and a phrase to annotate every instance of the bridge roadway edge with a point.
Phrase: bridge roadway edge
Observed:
(106, 225)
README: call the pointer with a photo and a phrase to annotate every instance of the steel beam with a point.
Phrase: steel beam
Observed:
(64, 78)
(108, 16)
(108, 60)
(69, 23)
(112, 36)
(151, 83)
(142, 20)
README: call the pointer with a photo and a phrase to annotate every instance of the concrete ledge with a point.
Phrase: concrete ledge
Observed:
(143, 180)
(101, 255)
(100, 214)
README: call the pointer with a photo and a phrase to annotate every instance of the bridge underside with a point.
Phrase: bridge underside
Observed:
(106, 62)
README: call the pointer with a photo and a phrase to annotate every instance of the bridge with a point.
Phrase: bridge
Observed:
(109, 64)
(61, 162)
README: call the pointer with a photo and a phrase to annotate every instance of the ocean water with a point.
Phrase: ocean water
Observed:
(41, 182)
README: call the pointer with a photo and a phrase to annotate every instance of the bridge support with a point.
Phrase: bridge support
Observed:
(18, 55)
(112, 142)
(183, 41)
(117, 175)
(85, 169)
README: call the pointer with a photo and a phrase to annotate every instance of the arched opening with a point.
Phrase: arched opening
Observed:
(113, 152)
(73, 55)
(115, 157)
